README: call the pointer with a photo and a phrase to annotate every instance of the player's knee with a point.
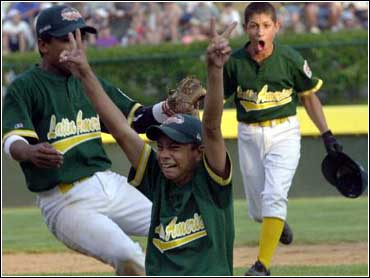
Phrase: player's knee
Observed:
(274, 199)
(274, 205)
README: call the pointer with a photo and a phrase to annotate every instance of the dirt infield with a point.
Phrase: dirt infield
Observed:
(70, 262)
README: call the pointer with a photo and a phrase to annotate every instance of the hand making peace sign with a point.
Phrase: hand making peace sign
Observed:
(75, 58)
(218, 51)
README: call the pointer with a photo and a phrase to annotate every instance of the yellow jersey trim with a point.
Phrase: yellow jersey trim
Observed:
(143, 161)
(131, 115)
(168, 245)
(250, 106)
(21, 132)
(66, 144)
(221, 181)
(313, 90)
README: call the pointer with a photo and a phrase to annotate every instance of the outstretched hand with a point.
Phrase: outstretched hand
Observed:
(75, 58)
(218, 51)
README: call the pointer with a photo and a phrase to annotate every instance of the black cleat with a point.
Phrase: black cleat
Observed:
(287, 235)
(258, 269)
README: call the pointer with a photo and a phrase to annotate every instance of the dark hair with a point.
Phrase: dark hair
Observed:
(259, 8)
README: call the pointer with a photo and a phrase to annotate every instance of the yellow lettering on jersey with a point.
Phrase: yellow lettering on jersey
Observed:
(177, 234)
(68, 127)
(51, 134)
(164, 246)
(263, 99)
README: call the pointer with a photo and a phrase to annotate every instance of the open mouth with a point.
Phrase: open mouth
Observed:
(168, 166)
(260, 45)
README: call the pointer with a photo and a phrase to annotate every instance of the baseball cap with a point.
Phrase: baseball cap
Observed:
(181, 128)
(59, 20)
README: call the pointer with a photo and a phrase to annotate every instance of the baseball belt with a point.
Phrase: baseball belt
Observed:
(270, 123)
(65, 187)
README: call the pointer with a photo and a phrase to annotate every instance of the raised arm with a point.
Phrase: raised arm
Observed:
(111, 116)
(218, 52)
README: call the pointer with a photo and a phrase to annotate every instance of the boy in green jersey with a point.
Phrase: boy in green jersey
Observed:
(266, 80)
(51, 128)
(188, 178)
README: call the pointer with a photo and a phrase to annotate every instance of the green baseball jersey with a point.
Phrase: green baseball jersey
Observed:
(192, 226)
(268, 90)
(44, 107)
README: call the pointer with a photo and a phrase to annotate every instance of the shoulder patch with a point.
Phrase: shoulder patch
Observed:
(307, 69)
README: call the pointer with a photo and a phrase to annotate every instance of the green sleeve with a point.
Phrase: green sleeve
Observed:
(304, 80)
(145, 176)
(220, 188)
(18, 112)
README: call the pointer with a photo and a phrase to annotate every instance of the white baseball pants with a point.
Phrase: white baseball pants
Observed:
(268, 159)
(96, 216)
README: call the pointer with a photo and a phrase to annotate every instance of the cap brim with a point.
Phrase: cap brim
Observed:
(71, 28)
(154, 132)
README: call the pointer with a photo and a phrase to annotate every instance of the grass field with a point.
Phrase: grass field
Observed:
(314, 221)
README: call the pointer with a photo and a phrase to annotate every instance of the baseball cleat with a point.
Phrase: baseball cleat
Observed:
(258, 269)
(287, 235)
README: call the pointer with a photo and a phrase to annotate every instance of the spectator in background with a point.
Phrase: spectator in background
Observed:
(230, 15)
(136, 33)
(349, 18)
(100, 18)
(320, 16)
(27, 10)
(90, 7)
(360, 10)
(121, 17)
(311, 11)
(334, 10)
(290, 17)
(17, 34)
(138, 25)
(153, 21)
(170, 18)
(203, 12)
(106, 38)
(193, 33)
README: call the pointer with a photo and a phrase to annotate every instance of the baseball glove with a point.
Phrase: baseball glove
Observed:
(184, 99)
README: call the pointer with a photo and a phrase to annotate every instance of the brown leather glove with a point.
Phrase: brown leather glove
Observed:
(184, 99)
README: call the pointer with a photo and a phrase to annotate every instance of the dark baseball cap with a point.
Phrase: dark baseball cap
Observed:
(59, 20)
(181, 128)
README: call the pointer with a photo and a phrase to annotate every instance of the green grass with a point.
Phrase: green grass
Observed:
(314, 221)
(332, 270)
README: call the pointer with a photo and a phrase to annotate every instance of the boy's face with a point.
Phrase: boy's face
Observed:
(52, 50)
(261, 30)
(177, 161)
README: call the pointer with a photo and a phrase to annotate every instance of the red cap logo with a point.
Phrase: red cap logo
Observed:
(71, 14)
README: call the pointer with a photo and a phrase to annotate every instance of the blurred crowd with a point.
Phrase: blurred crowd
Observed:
(132, 23)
